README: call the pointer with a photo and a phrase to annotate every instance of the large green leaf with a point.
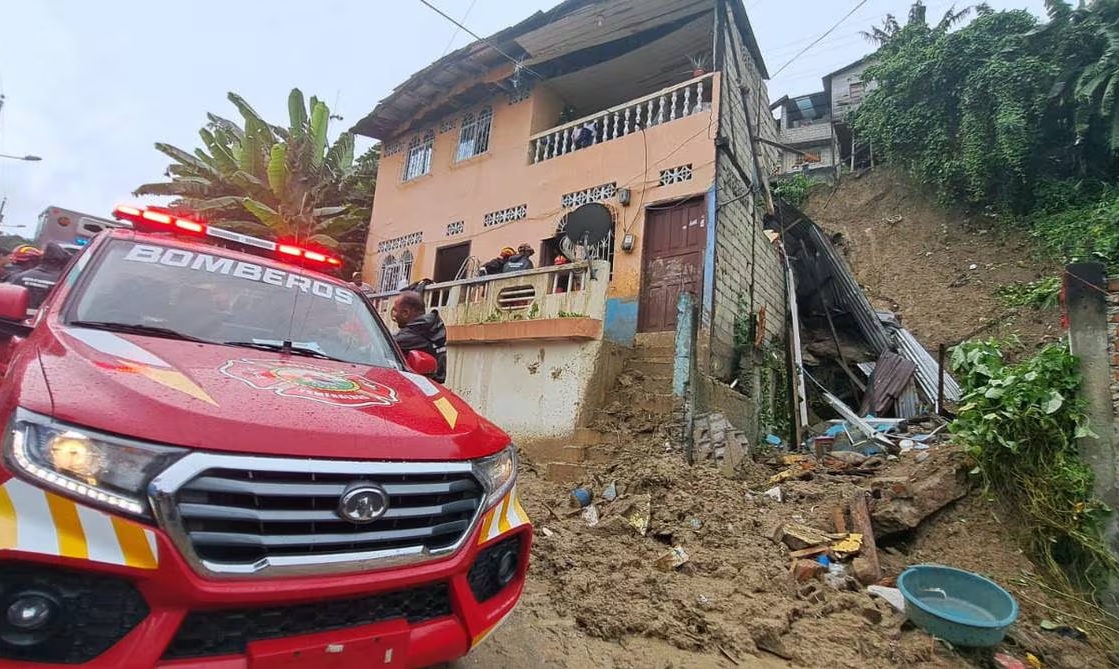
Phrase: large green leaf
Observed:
(220, 154)
(178, 155)
(320, 119)
(278, 170)
(226, 202)
(226, 125)
(297, 113)
(266, 215)
(340, 156)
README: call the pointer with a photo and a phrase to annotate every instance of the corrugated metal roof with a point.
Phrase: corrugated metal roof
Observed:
(566, 28)
(928, 370)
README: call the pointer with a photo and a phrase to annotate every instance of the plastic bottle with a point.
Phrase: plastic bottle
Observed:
(836, 576)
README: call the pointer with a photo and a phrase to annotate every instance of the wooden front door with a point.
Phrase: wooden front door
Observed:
(449, 260)
(672, 263)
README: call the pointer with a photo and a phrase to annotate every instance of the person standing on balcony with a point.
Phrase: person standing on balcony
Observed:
(520, 262)
(420, 331)
(496, 265)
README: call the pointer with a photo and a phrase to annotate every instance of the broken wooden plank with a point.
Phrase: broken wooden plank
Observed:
(838, 516)
(860, 522)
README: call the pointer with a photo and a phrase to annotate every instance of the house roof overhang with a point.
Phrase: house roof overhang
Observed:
(485, 67)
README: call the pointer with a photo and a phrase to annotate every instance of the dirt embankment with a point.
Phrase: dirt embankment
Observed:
(939, 269)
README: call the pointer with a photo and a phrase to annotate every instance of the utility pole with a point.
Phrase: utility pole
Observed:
(5, 200)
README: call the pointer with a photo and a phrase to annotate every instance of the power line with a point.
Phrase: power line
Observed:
(816, 41)
(457, 29)
(478, 37)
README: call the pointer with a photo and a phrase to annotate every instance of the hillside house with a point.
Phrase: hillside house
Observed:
(816, 128)
(486, 148)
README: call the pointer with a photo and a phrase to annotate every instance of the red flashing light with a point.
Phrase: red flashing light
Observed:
(189, 226)
(156, 217)
(125, 210)
(307, 254)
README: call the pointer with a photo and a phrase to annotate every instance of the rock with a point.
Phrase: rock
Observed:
(906, 504)
(850, 458)
(775, 493)
(806, 570)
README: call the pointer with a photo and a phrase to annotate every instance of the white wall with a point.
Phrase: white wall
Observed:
(531, 389)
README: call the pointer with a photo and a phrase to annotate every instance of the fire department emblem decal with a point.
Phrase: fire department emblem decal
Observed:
(318, 384)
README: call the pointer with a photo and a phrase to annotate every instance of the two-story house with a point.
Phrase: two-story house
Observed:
(633, 121)
(816, 128)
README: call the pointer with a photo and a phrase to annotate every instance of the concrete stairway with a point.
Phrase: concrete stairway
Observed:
(645, 382)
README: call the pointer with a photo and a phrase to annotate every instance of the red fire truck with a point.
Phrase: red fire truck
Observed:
(218, 459)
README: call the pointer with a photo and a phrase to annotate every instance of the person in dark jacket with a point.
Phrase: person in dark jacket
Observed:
(420, 331)
(496, 265)
(40, 280)
(520, 262)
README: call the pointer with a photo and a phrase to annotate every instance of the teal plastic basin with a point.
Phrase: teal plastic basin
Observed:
(963, 608)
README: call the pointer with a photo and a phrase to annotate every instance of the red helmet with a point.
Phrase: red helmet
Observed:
(26, 254)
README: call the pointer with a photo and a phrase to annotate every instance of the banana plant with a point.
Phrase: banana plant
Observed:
(271, 180)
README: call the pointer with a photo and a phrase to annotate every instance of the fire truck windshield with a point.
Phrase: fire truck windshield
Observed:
(207, 296)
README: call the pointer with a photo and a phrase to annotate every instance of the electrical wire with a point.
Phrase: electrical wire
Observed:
(815, 42)
(458, 29)
(481, 39)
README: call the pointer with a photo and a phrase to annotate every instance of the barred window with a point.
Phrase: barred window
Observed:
(390, 274)
(418, 161)
(474, 137)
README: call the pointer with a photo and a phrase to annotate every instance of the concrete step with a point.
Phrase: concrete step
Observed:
(655, 340)
(659, 368)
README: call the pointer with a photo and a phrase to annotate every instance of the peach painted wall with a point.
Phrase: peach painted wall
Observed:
(505, 177)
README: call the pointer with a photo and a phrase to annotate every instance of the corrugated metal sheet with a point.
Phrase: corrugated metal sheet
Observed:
(844, 290)
(909, 403)
(891, 375)
(928, 370)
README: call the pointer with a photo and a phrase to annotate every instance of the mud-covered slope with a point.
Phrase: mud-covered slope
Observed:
(939, 269)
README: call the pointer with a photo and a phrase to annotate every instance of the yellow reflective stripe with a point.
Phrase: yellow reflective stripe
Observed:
(503, 516)
(134, 544)
(71, 536)
(520, 509)
(8, 531)
(487, 525)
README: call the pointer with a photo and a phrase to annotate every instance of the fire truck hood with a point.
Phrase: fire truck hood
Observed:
(241, 400)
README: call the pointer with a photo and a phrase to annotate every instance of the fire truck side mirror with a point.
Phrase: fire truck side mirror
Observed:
(13, 310)
(13, 302)
(421, 363)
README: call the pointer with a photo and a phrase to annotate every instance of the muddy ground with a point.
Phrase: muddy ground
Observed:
(597, 598)
(938, 268)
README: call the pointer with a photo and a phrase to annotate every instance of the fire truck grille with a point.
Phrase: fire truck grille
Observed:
(243, 517)
(229, 632)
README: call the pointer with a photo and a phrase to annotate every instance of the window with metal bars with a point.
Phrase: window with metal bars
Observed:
(474, 137)
(418, 161)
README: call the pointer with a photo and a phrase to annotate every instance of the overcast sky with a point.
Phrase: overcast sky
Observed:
(90, 86)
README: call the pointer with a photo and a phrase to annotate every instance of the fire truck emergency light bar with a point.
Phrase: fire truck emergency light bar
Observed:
(155, 220)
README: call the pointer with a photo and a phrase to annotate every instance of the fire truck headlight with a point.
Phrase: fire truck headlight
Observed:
(102, 469)
(497, 473)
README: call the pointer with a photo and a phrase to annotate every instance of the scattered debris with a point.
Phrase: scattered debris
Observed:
(869, 570)
(891, 595)
(590, 515)
(581, 496)
(672, 559)
(775, 493)
(903, 504)
(610, 493)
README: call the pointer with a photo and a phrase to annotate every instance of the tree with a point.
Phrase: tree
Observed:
(280, 182)
(917, 16)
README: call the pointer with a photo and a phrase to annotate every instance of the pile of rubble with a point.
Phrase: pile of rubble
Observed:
(783, 554)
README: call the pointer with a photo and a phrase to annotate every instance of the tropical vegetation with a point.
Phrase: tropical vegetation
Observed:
(275, 181)
(1007, 114)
